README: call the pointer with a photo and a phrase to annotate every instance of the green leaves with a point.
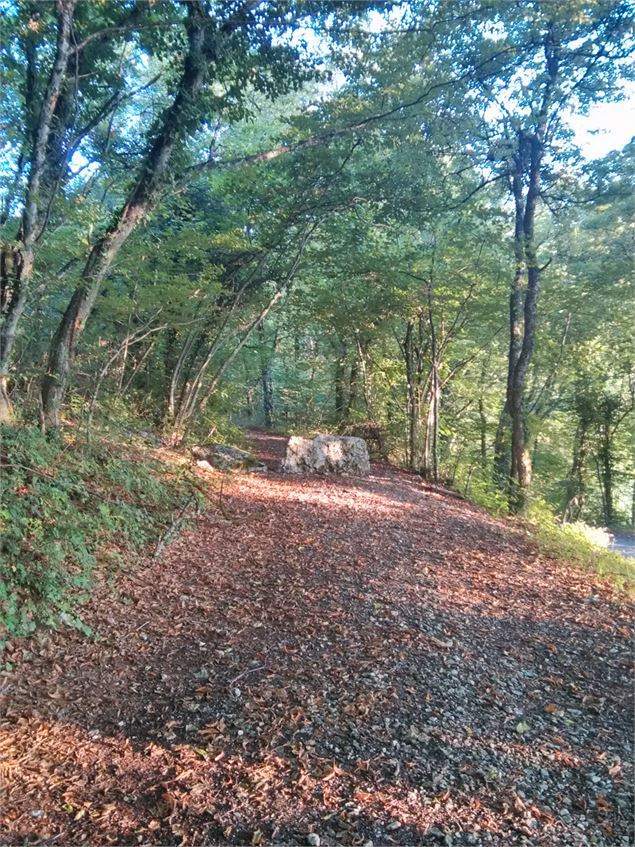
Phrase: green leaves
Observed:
(66, 509)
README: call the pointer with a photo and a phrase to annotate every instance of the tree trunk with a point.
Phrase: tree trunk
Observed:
(340, 382)
(502, 451)
(138, 205)
(362, 352)
(353, 388)
(482, 431)
(266, 380)
(435, 387)
(428, 439)
(575, 491)
(605, 465)
(23, 254)
(521, 465)
(528, 160)
(267, 394)
(411, 400)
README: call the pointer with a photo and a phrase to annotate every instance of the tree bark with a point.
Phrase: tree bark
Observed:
(137, 207)
(575, 491)
(521, 465)
(411, 405)
(266, 379)
(605, 461)
(528, 161)
(15, 292)
(139, 204)
(340, 381)
(435, 387)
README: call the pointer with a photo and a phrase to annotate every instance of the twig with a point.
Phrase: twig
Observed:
(244, 673)
(174, 525)
(221, 505)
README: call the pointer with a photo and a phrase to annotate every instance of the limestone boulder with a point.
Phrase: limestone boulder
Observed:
(325, 454)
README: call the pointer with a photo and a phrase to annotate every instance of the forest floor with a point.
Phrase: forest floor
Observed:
(350, 660)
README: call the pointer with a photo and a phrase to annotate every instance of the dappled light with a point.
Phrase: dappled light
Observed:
(317, 407)
(381, 678)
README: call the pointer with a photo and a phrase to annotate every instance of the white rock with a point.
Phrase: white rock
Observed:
(342, 454)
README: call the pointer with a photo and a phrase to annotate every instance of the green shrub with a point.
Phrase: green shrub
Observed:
(575, 543)
(478, 487)
(65, 507)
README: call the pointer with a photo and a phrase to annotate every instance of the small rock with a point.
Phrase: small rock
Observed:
(313, 839)
(225, 458)
(393, 825)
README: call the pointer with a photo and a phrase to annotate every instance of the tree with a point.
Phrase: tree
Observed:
(563, 59)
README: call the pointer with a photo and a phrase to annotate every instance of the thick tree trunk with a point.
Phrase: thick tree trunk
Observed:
(521, 464)
(138, 205)
(528, 160)
(15, 288)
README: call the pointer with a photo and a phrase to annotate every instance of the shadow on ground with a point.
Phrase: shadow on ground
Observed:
(354, 658)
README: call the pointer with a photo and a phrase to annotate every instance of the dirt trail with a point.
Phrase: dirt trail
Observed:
(359, 659)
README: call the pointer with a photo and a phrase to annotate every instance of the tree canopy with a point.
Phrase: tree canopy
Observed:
(371, 217)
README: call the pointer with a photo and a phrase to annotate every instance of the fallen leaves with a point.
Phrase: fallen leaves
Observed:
(353, 658)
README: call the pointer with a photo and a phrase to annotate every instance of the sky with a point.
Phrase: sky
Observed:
(608, 126)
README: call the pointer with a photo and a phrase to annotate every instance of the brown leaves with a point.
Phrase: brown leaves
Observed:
(333, 771)
(398, 639)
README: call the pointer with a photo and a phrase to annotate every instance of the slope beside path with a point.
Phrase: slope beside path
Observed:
(352, 660)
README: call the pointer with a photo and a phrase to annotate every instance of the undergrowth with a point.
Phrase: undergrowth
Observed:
(69, 506)
(572, 543)
(579, 543)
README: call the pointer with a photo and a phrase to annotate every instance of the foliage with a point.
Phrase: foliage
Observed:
(577, 543)
(328, 241)
(68, 508)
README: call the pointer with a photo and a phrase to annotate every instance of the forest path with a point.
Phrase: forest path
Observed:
(355, 658)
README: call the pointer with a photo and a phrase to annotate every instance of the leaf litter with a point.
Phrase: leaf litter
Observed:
(328, 661)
